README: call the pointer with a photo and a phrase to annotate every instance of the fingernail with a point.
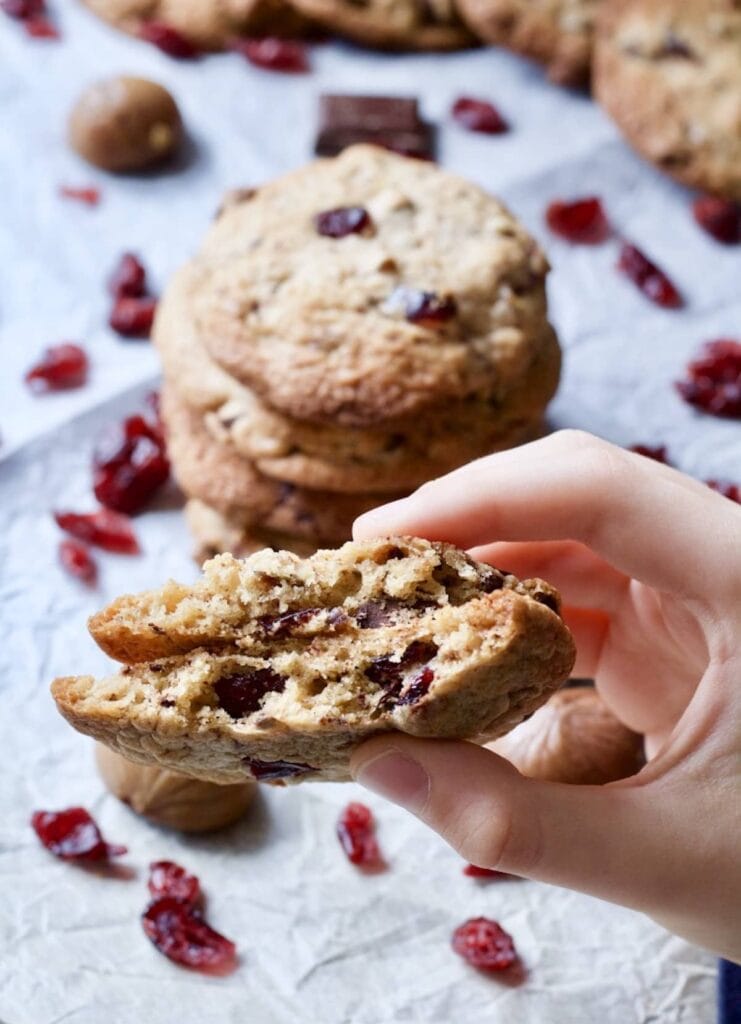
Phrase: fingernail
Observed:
(398, 778)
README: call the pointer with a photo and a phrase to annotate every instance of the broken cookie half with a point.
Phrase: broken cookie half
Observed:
(277, 667)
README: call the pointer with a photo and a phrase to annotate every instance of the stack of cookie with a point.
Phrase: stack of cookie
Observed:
(346, 333)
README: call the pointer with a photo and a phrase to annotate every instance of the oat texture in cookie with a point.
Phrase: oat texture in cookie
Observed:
(669, 73)
(275, 668)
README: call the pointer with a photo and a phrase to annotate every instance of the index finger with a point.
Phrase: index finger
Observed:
(647, 520)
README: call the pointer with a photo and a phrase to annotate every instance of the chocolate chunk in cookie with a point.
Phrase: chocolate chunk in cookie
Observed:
(284, 660)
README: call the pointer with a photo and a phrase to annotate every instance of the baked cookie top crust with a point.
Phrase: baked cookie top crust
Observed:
(439, 296)
(276, 667)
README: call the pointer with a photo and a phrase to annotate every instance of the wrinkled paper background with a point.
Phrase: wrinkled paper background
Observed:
(319, 942)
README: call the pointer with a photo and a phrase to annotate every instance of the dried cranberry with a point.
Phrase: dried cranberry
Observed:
(581, 221)
(417, 688)
(427, 308)
(61, 367)
(283, 625)
(78, 562)
(266, 770)
(274, 54)
(472, 871)
(90, 196)
(41, 28)
(169, 879)
(242, 693)
(484, 944)
(732, 491)
(345, 220)
(388, 670)
(168, 39)
(721, 218)
(104, 529)
(178, 930)
(356, 831)
(391, 673)
(132, 317)
(73, 835)
(658, 454)
(713, 381)
(652, 281)
(728, 490)
(129, 465)
(23, 10)
(478, 116)
(129, 279)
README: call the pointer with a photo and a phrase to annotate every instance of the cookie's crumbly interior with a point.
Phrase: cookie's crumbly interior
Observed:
(278, 659)
(233, 599)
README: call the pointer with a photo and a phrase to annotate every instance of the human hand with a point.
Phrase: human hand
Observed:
(648, 562)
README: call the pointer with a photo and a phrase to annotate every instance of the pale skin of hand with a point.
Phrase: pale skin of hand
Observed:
(648, 563)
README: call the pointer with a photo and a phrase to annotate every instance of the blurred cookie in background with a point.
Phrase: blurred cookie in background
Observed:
(204, 24)
(557, 33)
(392, 24)
(669, 73)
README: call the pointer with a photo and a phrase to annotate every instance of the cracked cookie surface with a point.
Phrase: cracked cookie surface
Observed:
(277, 667)
(380, 323)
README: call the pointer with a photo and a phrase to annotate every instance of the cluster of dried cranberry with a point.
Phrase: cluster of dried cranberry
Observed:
(713, 381)
(130, 464)
(584, 222)
(173, 920)
(103, 529)
(273, 54)
(133, 309)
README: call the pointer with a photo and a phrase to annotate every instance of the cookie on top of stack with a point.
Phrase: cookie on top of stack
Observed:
(346, 333)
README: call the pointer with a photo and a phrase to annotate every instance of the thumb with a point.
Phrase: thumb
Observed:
(596, 839)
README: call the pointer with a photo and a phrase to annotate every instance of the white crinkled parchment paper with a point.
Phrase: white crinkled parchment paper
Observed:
(319, 942)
